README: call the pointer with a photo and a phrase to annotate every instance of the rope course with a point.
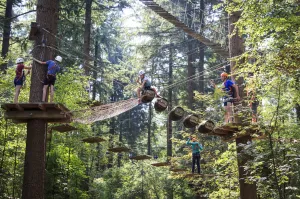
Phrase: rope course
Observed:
(102, 112)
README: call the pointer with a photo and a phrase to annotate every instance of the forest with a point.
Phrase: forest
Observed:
(97, 140)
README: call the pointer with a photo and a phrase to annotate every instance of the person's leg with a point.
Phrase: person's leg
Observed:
(254, 112)
(198, 163)
(225, 114)
(156, 94)
(51, 93)
(193, 165)
(228, 109)
(17, 93)
(44, 92)
(139, 92)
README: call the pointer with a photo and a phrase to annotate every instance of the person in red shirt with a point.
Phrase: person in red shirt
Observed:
(20, 78)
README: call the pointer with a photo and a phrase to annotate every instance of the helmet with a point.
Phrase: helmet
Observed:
(142, 72)
(224, 74)
(58, 58)
(19, 60)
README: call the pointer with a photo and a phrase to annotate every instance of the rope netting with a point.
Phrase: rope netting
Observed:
(102, 112)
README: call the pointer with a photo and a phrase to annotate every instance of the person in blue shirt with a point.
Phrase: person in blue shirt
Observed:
(231, 91)
(53, 68)
(196, 148)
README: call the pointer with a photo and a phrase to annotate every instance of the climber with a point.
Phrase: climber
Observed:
(53, 68)
(232, 95)
(20, 77)
(145, 83)
(196, 148)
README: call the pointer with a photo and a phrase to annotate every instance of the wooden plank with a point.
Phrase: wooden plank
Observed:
(93, 140)
(42, 106)
(64, 128)
(65, 120)
(18, 115)
(119, 149)
(177, 169)
(35, 105)
(19, 107)
(141, 157)
(161, 164)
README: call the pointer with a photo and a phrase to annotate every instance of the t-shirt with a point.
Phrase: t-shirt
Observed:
(228, 84)
(147, 83)
(53, 67)
(19, 70)
(196, 146)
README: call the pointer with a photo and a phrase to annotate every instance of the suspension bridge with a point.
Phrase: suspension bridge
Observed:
(206, 26)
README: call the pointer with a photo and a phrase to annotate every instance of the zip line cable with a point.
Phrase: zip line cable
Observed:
(200, 74)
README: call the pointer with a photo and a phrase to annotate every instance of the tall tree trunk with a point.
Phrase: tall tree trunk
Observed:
(236, 47)
(95, 66)
(170, 93)
(149, 130)
(298, 105)
(6, 32)
(201, 51)
(190, 72)
(298, 113)
(34, 166)
(87, 35)
(15, 168)
(150, 118)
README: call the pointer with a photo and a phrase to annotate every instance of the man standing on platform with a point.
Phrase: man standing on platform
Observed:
(53, 68)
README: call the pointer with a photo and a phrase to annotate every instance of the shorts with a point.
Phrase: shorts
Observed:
(49, 80)
(18, 81)
(254, 106)
(227, 99)
(147, 88)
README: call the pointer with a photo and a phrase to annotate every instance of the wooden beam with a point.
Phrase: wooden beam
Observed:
(19, 107)
(25, 115)
(42, 106)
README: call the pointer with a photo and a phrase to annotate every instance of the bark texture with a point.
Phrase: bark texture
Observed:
(34, 166)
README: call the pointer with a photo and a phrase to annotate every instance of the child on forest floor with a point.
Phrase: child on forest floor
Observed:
(196, 148)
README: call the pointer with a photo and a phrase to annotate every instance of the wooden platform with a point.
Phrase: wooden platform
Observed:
(93, 140)
(198, 175)
(177, 169)
(231, 131)
(50, 112)
(141, 157)
(161, 164)
(119, 149)
(63, 128)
